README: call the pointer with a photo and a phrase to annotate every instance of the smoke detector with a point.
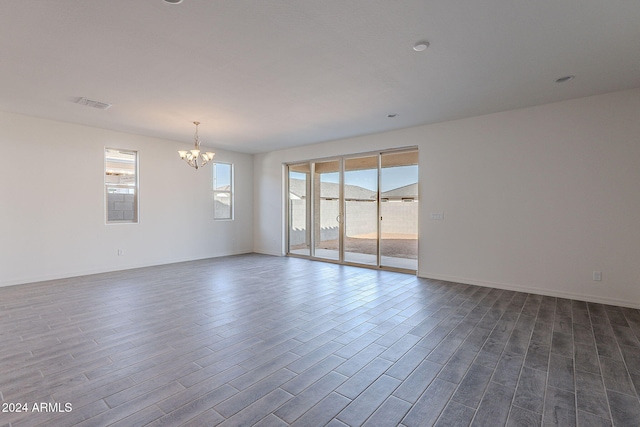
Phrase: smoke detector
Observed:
(94, 104)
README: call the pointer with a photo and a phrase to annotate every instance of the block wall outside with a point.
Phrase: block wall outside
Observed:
(121, 207)
(398, 218)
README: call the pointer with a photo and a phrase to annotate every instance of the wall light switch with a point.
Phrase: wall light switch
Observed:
(439, 216)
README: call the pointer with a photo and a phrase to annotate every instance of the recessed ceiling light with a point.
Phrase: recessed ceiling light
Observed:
(173, 1)
(392, 115)
(420, 46)
(565, 79)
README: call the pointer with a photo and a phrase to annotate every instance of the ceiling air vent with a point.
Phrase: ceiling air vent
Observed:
(95, 104)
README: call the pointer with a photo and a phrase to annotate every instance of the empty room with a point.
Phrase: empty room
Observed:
(331, 213)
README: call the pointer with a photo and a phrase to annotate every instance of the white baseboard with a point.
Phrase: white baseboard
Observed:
(532, 290)
(88, 272)
(267, 252)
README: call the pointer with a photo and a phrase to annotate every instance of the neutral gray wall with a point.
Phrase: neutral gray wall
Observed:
(534, 199)
(55, 225)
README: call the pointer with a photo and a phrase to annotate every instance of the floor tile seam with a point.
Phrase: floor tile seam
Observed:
(387, 397)
(191, 401)
(355, 327)
(593, 413)
(212, 364)
(444, 365)
(475, 410)
(525, 409)
(179, 357)
(227, 347)
(379, 406)
(201, 345)
(273, 412)
(484, 392)
(122, 369)
(628, 372)
(456, 349)
(244, 371)
(546, 379)
(402, 298)
(161, 372)
(457, 386)
(621, 392)
(273, 351)
(344, 360)
(370, 384)
(601, 376)
(317, 347)
(382, 318)
(105, 349)
(346, 378)
(69, 393)
(312, 317)
(257, 369)
(524, 358)
(311, 408)
(440, 300)
(30, 366)
(446, 318)
(495, 325)
(439, 342)
(573, 362)
(120, 420)
(395, 361)
(104, 398)
(279, 387)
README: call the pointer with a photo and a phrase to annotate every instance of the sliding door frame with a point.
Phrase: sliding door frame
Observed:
(310, 208)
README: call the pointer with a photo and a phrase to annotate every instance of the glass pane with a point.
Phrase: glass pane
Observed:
(327, 209)
(399, 210)
(222, 176)
(120, 185)
(223, 191)
(222, 205)
(361, 210)
(298, 201)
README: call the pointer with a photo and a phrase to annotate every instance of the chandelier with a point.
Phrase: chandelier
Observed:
(194, 157)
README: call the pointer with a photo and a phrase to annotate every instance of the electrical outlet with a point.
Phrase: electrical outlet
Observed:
(597, 276)
(437, 216)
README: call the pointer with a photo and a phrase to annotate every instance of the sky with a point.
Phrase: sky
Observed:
(391, 177)
(222, 175)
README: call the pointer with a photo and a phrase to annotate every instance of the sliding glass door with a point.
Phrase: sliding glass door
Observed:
(356, 209)
(326, 209)
(361, 210)
(399, 210)
(299, 218)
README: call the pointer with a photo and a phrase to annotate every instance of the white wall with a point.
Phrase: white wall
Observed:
(535, 199)
(52, 221)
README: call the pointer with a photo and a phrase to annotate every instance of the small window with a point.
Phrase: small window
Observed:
(223, 191)
(121, 185)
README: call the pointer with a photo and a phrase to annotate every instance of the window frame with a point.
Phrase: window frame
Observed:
(230, 192)
(135, 187)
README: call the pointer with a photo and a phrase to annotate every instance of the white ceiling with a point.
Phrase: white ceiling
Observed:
(268, 74)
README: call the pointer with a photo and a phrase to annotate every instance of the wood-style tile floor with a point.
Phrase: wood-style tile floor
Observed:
(271, 341)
